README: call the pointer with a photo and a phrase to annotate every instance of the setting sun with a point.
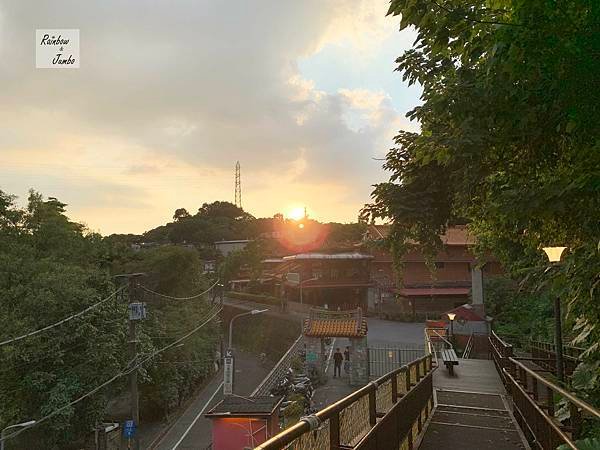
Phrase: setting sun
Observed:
(296, 213)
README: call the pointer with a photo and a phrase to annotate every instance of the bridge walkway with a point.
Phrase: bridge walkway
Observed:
(471, 410)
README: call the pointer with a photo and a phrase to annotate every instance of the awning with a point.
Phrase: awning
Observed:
(432, 292)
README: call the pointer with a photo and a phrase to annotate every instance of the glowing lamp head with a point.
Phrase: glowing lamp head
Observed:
(451, 316)
(554, 253)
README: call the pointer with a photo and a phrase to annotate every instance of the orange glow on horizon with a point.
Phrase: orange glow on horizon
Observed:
(296, 213)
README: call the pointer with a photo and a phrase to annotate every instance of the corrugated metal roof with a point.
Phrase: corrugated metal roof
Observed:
(327, 256)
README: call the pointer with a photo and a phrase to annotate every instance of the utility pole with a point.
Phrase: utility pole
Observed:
(137, 311)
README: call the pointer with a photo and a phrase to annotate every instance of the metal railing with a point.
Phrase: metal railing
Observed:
(280, 369)
(537, 400)
(545, 354)
(469, 347)
(386, 413)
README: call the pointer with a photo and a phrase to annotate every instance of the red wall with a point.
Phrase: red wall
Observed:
(234, 433)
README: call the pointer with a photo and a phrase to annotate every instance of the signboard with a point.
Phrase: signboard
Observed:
(228, 372)
(137, 311)
(293, 277)
(129, 428)
(311, 357)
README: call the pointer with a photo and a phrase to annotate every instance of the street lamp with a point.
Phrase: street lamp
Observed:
(249, 313)
(451, 316)
(228, 367)
(18, 425)
(554, 254)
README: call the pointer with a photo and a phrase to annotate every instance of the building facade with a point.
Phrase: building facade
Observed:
(428, 288)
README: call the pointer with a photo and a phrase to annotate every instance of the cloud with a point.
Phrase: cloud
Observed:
(176, 92)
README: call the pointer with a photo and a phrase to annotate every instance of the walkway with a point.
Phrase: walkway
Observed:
(471, 411)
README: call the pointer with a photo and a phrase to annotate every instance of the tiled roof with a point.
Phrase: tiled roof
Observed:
(335, 328)
(324, 323)
(465, 312)
(457, 235)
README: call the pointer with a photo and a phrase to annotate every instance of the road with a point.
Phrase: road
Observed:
(192, 431)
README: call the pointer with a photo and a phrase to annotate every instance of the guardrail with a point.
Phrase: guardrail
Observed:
(544, 353)
(280, 369)
(536, 401)
(469, 347)
(500, 351)
(402, 400)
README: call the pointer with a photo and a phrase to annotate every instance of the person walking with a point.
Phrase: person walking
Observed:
(337, 362)
(347, 360)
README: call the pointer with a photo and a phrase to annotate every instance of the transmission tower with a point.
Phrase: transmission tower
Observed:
(238, 186)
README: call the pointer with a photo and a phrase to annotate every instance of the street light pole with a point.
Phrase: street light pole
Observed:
(18, 425)
(554, 254)
(451, 316)
(560, 367)
(228, 361)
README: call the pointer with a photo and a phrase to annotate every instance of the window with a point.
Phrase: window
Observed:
(439, 265)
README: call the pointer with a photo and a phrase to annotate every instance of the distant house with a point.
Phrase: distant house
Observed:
(338, 280)
(226, 247)
(456, 277)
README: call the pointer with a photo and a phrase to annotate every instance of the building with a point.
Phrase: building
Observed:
(453, 278)
(226, 247)
(338, 280)
(240, 423)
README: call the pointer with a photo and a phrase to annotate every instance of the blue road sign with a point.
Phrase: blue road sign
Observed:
(129, 428)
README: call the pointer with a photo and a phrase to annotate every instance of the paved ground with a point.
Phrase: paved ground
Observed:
(471, 410)
(192, 431)
(381, 333)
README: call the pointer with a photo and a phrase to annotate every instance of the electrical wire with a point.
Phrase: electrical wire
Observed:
(60, 322)
(180, 298)
(111, 380)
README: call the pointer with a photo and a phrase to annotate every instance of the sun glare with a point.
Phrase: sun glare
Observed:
(296, 213)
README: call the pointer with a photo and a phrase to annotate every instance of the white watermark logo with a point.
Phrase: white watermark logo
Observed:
(57, 49)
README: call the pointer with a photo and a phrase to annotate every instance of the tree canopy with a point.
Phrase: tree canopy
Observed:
(508, 140)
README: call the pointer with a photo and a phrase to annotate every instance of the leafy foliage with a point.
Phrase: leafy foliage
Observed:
(508, 141)
(51, 268)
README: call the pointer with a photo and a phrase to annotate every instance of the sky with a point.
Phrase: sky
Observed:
(170, 94)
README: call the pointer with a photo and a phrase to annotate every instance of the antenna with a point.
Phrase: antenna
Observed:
(238, 186)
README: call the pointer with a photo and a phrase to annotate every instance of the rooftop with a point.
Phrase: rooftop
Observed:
(234, 405)
(352, 255)
(457, 235)
(323, 323)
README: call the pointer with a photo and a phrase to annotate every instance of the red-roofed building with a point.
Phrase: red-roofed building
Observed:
(422, 290)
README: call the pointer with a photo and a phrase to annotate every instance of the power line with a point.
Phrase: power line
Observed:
(111, 380)
(180, 298)
(60, 322)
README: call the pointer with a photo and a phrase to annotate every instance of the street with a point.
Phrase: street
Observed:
(192, 431)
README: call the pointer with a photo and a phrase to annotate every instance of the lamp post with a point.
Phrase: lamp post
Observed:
(18, 425)
(554, 254)
(451, 316)
(228, 369)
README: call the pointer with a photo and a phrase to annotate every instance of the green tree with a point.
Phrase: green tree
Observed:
(508, 141)
(51, 268)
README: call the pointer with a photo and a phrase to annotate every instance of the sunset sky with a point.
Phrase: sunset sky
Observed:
(170, 94)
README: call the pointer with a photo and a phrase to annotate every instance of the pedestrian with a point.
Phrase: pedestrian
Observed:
(337, 362)
(347, 360)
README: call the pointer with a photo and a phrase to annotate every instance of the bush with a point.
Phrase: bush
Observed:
(258, 298)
